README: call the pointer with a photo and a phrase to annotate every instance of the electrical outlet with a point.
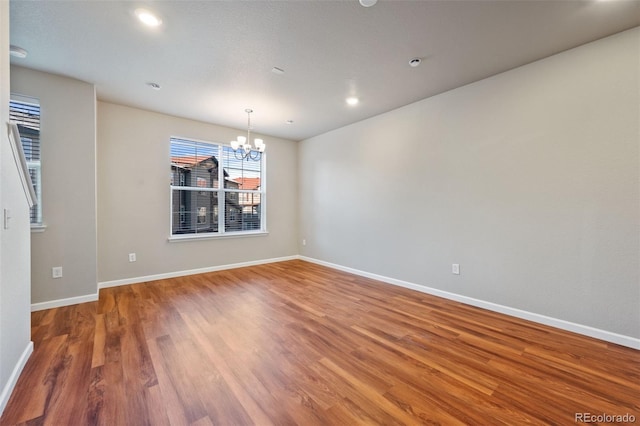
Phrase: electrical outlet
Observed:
(455, 268)
(304, 242)
(56, 272)
(132, 257)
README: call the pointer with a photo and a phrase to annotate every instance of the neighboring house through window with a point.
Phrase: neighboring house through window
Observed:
(200, 205)
(249, 201)
(26, 113)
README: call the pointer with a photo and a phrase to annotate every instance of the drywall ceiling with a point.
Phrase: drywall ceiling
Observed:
(213, 59)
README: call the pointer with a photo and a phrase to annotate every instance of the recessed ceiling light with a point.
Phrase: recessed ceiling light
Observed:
(277, 70)
(154, 86)
(352, 101)
(289, 121)
(17, 52)
(148, 18)
(368, 3)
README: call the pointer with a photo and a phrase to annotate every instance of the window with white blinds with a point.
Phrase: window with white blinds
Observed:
(26, 113)
(200, 204)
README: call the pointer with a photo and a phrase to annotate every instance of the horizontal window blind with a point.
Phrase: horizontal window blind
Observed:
(27, 116)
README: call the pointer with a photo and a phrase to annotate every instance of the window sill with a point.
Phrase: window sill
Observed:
(212, 236)
(38, 228)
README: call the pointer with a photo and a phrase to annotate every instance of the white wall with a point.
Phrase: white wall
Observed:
(133, 198)
(15, 319)
(68, 138)
(529, 180)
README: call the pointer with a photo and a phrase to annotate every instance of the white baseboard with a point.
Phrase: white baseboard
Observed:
(13, 378)
(586, 330)
(135, 280)
(63, 302)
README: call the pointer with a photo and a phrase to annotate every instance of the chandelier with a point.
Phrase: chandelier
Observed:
(242, 146)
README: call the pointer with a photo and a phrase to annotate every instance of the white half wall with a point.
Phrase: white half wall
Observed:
(15, 318)
(530, 180)
(134, 200)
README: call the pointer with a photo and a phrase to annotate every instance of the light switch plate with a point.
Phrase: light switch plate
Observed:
(6, 217)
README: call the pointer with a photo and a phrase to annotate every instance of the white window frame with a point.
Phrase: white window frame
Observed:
(221, 190)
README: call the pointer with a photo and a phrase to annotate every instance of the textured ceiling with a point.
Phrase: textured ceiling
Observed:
(213, 59)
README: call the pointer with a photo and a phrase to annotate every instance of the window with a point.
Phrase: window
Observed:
(200, 204)
(26, 113)
(183, 215)
(202, 215)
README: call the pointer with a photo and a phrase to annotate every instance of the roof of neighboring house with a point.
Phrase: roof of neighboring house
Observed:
(192, 160)
(248, 183)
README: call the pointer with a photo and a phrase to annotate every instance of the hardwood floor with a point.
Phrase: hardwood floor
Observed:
(296, 343)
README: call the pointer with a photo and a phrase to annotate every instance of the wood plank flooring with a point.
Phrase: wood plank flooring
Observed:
(296, 343)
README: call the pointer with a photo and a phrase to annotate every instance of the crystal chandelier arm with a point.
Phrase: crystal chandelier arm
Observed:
(239, 154)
